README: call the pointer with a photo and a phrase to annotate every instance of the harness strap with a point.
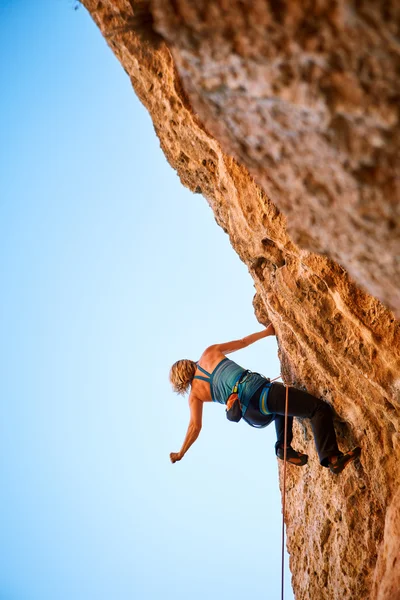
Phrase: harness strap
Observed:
(263, 399)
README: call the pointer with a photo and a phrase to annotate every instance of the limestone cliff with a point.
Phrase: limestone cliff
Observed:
(285, 117)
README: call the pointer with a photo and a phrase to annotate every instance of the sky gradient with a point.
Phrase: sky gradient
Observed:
(108, 275)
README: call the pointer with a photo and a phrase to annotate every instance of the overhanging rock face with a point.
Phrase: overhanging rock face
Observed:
(302, 108)
(306, 95)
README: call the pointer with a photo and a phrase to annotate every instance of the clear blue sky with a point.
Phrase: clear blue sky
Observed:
(108, 275)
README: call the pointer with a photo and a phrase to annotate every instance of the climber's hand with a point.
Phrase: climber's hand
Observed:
(271, 329)
(175, 456)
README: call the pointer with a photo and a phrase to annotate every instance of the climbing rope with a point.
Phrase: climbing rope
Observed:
(284, 494)
(284, 488)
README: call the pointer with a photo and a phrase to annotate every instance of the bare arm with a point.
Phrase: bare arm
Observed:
(244, 342)
(194, 428)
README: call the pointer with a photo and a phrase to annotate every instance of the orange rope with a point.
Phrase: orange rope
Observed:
(284, 492)
(284, 488)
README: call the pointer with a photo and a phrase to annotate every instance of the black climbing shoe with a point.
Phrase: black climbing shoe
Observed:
(292, 456)
(343, 460)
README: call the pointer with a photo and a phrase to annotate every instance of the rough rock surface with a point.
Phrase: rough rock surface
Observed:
(337, 188)
(307, 96)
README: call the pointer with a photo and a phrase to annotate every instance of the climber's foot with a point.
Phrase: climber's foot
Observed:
(292, 456)
(338, 463)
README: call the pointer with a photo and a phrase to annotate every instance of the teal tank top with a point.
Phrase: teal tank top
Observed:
(225, 376)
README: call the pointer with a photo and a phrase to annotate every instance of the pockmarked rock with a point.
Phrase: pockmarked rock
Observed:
(284, 116)
(306, 95)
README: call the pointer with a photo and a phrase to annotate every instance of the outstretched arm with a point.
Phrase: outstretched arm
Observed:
(194, 428)
(244, 342)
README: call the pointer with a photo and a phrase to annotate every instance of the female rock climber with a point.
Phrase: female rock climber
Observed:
(216, 378)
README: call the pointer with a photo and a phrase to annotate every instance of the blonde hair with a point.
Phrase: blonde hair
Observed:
(181, 375)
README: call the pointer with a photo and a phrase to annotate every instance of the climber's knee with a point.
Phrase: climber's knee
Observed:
(322, 408)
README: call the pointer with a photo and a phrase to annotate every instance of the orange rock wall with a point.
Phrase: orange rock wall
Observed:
(343, 534)
(306, 95)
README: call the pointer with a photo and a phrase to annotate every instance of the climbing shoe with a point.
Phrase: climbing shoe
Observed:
(292, 456)
(343, 460)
